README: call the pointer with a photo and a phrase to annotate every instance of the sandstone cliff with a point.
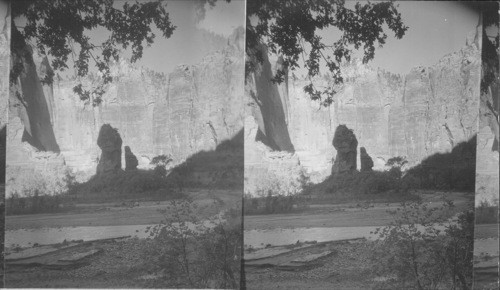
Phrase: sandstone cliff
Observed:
(428, 110)
(194, 108)
(487, 165)
(4, 81)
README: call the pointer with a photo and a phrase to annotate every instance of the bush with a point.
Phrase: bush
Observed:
(367, 182)
(487, 213)
(192, 254)
(28, 182)
(134, 183)
(16, 204)
(34, 191)
(273, 204)
(277, 194)
(417, 254)
(161, 162)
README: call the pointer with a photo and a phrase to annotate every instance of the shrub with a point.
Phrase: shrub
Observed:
(367, 182)
(397, 162)
(161, 162)
(487, 213)
(191, 253)
(35, 191)
(17, 204)
(134, 183)
(277, 194)
(419, 255)
(28, 182)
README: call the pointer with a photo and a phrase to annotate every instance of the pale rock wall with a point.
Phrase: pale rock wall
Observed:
(261, 162)
(487, 160)
(192, 109)
(4, 61)
(363, 105)
(429, 110)
(439, 107)
(4, 85)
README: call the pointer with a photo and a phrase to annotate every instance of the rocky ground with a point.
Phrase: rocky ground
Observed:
(345, 268)
(119, 264)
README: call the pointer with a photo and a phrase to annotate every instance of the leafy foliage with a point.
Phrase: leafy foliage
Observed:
(370, 182)
(273, 204)
(59, 29)
(487, 213)
(419, 250)
(290, 28)
(398, 161)
(137, 184)
(192, 253)
(278, 194)
(37, 203)
(30, 182)
(161, 161)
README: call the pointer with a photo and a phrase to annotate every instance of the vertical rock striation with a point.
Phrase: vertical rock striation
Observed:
(487, 165)
(192, 109)
(427, 111)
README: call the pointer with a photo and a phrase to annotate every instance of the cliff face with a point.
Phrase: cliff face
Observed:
(487, 164)
(192, 109)
(4, 82)
(4, 63)
(429, 110)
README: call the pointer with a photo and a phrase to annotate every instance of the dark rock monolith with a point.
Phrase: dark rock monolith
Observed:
(130, 159)
(346, 144)
(110, 142)
(366, 160)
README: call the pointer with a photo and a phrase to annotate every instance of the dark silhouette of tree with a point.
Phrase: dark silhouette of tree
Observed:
(60, 29)
(290, 28)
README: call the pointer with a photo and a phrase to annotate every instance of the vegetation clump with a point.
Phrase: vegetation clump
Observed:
(278, 194)
(423, 250)
(191, 253)
(487, 213)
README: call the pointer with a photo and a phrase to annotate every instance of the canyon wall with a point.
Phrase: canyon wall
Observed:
(192, 109)
(4, 62)
(4, 83)
(429, 110)
(487, 162)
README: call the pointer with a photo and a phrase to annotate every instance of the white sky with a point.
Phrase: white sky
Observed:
(436, 28)
(186, 46)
